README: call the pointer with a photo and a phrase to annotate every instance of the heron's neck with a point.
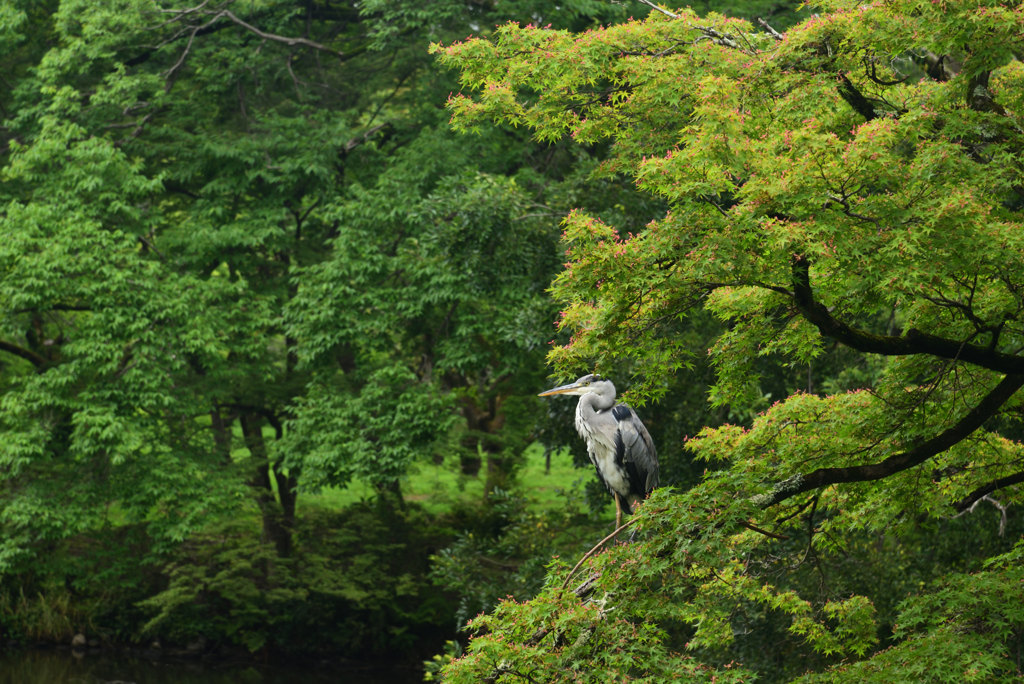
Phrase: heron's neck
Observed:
(597, 402)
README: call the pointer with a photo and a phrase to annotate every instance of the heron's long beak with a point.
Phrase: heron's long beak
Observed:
(564, 389)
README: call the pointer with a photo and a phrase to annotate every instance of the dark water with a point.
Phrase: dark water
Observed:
(66, 667)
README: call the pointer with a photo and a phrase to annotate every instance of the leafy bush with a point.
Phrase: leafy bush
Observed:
(356, 584)
(50, 615)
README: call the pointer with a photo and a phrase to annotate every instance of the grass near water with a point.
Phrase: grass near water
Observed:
(439, 487)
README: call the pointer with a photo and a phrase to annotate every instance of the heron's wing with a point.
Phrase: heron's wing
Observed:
(635, 448)
(587, 434)
(597, 468)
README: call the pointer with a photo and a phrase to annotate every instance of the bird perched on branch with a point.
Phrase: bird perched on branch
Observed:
(619, 445)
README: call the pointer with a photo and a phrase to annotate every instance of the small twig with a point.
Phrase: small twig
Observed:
(288, 63)
(506, 566)
(126, 368)
(150, 245)
(360, 139)
(766, 533)
(142, 124)
(593, 550)
(810, 534)
(799, 510)
(169, 74)
(178, 15)
(541, 215)
(720, 578)
(870, 70)
(715, 205)
(844, 202)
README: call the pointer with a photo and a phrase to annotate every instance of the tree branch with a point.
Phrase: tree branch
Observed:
(766, 533)
(823, 477)
(149, 245)
(365, 137)
(663, 11)
(280, 39)
(55, 307)
(913, 342)
(774, 34)
(170, 74)
(271, 417)
(27, 354)
(593, 550)
(855, 98)
(981, 492)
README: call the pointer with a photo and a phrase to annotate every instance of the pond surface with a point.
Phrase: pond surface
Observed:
(53, 666)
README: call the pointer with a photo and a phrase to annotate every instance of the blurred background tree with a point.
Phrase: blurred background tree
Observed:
(247, 260)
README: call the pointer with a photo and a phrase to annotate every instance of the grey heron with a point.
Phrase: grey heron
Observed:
(619, 445)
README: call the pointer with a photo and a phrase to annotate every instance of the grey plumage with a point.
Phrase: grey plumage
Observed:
(619, 445)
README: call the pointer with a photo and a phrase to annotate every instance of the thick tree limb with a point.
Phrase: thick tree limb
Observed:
(27, 354)
(270, 416)
(823, 477)
(979, 97)
(913, 342)
(855, 98)
(981, 492)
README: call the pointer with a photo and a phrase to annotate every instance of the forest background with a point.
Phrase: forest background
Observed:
(250, 268)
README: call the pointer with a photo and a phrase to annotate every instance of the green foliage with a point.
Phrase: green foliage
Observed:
(391, 422)
(432, 667)
(356, 584)
(963, 632)
(505, 553)
(49, 615)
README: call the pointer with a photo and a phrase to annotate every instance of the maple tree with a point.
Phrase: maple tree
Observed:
(855, 181)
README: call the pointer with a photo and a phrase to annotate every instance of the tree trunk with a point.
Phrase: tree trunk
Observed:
(484, 436)
(498, 474)
(391, 490)
(286, 494)
(277, 519)
(221, 436)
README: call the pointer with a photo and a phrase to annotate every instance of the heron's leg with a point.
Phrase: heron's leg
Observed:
(618, 511)
(633, 501)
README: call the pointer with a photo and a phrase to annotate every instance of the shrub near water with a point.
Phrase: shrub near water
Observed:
(354, 585)
(50, 615)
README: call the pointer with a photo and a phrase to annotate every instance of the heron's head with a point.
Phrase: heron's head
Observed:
(588, 384)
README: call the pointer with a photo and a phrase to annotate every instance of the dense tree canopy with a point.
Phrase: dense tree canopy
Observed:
(245, 258)
(236, 222)
(854, 181)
